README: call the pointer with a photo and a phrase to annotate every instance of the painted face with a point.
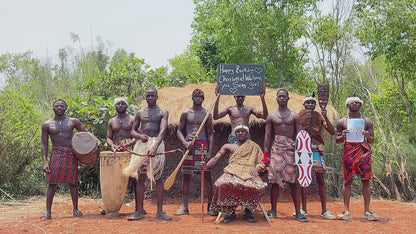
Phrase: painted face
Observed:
(197, 99)
(121, 107)
(151, 97)
(241, 134)
(309, 105)
(59, 107)
(282, 98)
(239, 100)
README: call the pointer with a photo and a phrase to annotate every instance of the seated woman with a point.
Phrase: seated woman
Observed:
(240, 184)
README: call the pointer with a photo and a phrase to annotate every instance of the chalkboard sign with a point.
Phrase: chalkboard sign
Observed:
(240, 79)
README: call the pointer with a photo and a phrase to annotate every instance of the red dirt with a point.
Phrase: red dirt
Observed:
(396, 217)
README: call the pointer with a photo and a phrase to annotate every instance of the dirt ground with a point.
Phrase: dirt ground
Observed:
(396, 217)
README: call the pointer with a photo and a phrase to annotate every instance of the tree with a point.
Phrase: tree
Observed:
(263, 32)
(387, 30)
(187, 68)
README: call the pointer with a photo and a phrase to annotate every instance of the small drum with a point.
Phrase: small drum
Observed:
(113, 182)
(86, 147)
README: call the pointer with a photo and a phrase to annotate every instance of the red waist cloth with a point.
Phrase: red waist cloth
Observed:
(63, 166)
(357, 161)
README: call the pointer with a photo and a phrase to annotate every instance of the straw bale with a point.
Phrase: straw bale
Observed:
(178, 99)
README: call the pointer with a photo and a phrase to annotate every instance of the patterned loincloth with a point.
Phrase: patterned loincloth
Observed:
(192, 163)
(63, 166)
(357, 161)
(231, 192)
(282, 160)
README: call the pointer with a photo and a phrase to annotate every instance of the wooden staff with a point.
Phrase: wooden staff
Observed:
(171, 179)
(202, 183)
(265, 213)
(217, 220)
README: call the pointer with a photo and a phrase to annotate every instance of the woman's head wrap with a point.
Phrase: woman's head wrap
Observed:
(241, 127)
(198, 92)
(352, 100)
(121, 99)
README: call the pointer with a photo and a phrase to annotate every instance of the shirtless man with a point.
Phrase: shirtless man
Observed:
(313, 122)
(240, 113)
(189, 124)
(356, 158)
(119, 133)
(279, 150)
(63, 165)
(119, 127)
(151, 123)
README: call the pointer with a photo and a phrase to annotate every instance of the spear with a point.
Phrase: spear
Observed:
(202, 183)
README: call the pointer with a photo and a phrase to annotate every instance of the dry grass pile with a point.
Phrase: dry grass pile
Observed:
(178, 99)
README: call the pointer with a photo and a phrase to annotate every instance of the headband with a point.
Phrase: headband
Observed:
(121, 99)
(309, 98)
(352, 100)
(241, 127)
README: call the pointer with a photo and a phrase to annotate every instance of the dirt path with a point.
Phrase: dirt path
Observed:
(396, 217)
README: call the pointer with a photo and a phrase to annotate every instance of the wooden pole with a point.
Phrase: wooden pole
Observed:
(202, 184)
(265, 213)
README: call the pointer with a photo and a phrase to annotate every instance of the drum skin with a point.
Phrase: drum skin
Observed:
(113, 182)
(86, 147)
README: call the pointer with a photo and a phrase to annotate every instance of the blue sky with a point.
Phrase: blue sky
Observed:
(155, 30)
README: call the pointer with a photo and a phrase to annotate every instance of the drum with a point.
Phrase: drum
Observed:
(113, 182)
(86, 147)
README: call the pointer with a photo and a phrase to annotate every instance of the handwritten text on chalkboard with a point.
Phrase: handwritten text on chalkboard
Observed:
(240, 79)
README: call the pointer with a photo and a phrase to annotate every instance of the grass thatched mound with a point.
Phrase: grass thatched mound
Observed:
(178, 99)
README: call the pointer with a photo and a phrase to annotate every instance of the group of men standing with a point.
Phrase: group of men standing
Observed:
(243, 180)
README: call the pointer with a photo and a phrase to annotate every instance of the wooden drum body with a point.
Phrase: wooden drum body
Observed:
(113, 182)
(86, 147)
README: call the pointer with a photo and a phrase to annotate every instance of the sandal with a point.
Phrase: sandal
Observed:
(212, 213)
(302, 212)
(135, 216)
(77, 213)
(301, 218)
(229, 218)
(46, 217)
(328, 215)
(272, 214)
(181, 211)
(163, 216)
(346, 215)
(249, 218)
(371, 216)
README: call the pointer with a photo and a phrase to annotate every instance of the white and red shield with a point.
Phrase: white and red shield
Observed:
(303, 158)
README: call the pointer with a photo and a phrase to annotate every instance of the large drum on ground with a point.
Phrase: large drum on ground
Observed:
(86, 147)
(113, 182)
